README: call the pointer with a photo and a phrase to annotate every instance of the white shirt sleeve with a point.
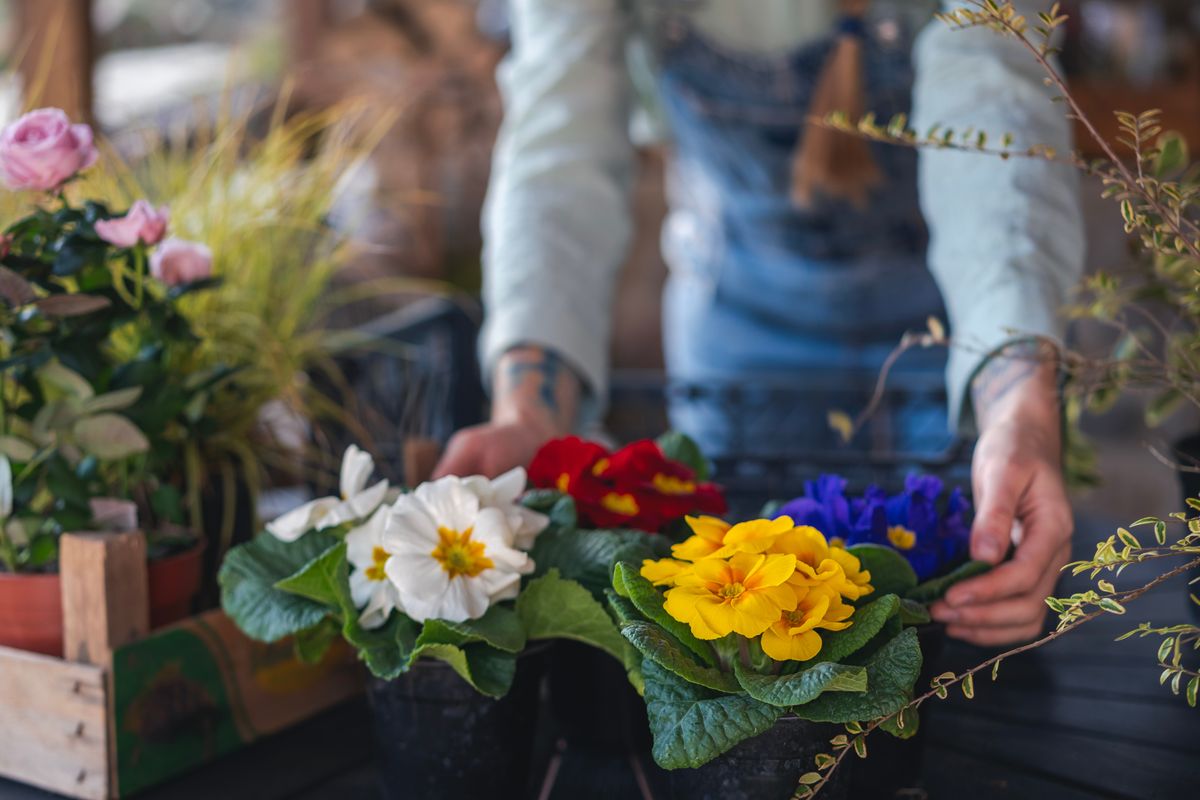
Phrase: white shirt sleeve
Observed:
(557, 218)
(1007, 239)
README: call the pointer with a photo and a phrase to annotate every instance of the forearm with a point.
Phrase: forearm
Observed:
(532, 386)
(1018, 386)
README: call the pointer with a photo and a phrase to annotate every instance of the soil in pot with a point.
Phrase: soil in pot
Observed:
(767, 767)
(31, 616)
(437, 738)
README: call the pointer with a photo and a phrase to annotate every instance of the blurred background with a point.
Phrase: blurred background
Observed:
(426, 66)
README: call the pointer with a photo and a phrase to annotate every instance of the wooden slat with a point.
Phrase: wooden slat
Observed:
(950, 773)
(105, 596)
(1098, 760)
(53, 729)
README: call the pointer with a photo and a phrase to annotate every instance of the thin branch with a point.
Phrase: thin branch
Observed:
(1124, 597)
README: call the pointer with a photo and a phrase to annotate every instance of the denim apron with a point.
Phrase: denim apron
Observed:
(775, 315)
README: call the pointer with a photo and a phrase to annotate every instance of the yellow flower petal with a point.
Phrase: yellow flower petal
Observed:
(783, 647)
(663, 572)
(754, 536)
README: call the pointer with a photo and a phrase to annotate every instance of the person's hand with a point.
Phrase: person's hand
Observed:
(535, 400)
(1020, 496)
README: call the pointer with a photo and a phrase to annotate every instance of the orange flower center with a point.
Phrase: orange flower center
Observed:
(668, 484)
(379, 558)
(617, 503)
(901, 537)
(600, 467)
(458, 555)
(563, 483)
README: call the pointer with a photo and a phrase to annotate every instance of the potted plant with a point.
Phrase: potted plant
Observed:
(765, 635)
(438, 594)
(626, 505)
(101, 397)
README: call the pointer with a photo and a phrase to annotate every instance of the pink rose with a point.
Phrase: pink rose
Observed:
(177, 261)
(42, 149)
(141, 224)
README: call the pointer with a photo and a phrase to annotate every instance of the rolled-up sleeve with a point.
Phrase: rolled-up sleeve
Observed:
(1007, 243)
(557, 219)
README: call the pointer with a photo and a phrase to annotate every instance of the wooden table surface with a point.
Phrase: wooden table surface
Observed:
(1080, 718)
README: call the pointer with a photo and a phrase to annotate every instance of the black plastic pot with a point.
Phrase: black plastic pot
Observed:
(592, 702)
(767, 767)
(437, 738)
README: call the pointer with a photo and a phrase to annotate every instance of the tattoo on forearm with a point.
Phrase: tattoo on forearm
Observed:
(1004, 372)
(545, 368)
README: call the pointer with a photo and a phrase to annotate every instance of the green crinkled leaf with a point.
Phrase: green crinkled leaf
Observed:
(551, 607)
(693, 725)
(914, 613)
(934, 588)
(248, 577)
(868, 621)
(657, 645)
(629, 583)
(500, 627)
(891, 672)
(325, 579)
(679, 447)
(488, 670)
(312, 644)
(890, 572)
(386, 650)
(588, 556)
(622, 607)
(802, 687)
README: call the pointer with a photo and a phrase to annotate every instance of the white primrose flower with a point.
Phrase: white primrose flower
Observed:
(452, 556)
(503, 493)
(369, 585)
(356, 501)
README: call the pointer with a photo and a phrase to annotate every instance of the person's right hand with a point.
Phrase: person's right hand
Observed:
(535, 397)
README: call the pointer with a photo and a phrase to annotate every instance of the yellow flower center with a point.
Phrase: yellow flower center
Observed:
(732, 590)
(623, 504)
(563, 483)
(668, 484)
(901, 537)
(458, 555)
(600, 467)
(375, 572)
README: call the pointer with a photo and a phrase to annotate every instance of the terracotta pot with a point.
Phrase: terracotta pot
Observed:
(31, 615)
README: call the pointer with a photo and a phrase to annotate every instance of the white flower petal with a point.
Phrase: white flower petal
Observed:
(361, 588)
(6, 488)
(362, 541)
(358, 506)
(450, 504)
(409, 528)
(291, 526)
(508, 487)
(527, 526)
(379, 608)
(491, 527)
(357, 466)
(420, 584)
(465, 598)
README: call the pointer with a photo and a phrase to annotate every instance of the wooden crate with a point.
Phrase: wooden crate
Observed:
(129, 708)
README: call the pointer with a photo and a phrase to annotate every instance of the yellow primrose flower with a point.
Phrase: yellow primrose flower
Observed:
(664, 571)
(755, 536)
(818, 563)
(708, 536)
(858, 576)
(745, 594)
(794, 637)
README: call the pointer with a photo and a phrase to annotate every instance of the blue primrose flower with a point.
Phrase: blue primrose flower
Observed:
(824, 506)
(911, 523)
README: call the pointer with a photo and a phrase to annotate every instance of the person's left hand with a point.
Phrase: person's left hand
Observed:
(1018, 485)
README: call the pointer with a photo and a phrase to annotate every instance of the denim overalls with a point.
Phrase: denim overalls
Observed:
(774, 315)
